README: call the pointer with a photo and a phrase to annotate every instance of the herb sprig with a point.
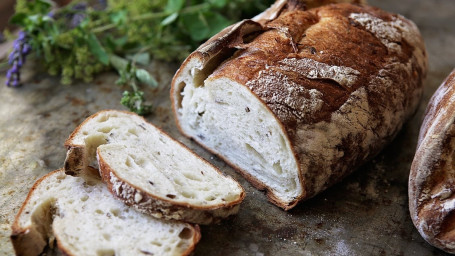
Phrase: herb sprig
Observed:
(82, 39)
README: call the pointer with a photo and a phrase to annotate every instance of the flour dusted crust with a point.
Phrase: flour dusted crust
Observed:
(340, 80)
(432, 177)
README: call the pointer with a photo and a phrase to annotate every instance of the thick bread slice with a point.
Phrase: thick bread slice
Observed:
(85, 219)
(152, 172)
(297, 99)
(432, 177)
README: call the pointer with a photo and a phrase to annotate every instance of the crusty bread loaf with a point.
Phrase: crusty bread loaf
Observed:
(150, 171)
(85, 219)
(297, 99)
(432, 176)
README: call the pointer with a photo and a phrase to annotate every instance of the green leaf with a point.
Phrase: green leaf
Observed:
(144, 77)
(174, 6)
(97, 49)
(142, 58)
(84, 23)
(40, 6)
(46, 18)
(35, 19)
(218, 3)
(202, 25)
(196, 26)
(118, 63)
(119, 17)
(113, 44)
(169, 19)
(43, 4)
(216, 22)
(19, 19)
(121, 41)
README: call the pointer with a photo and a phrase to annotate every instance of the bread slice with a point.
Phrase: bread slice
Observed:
(85, 219)
(150, 171)
(296, 99)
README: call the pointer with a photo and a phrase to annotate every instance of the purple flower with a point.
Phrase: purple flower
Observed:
(26, 49)
(21, 48)
(79, 15)
(12, 57)
(22, 35)
(16, 82)
(51, 14)
(9, 74)
(77, 19)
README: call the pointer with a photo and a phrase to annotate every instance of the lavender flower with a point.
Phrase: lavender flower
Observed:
(51, 14)
(21, 49)
(79, 16)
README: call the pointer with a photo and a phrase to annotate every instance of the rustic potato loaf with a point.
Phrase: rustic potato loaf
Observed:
(85, 219)
(150, 171)
(297, 98)
(431, 180)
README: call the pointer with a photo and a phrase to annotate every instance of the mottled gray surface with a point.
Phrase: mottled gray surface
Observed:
(366, 214)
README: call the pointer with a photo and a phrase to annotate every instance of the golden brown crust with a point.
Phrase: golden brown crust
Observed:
(323, 71)
(196, 239)
(303, 35)
(432, 176)
(274, 57)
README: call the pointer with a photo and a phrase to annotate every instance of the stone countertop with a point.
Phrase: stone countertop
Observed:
(366, 214)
